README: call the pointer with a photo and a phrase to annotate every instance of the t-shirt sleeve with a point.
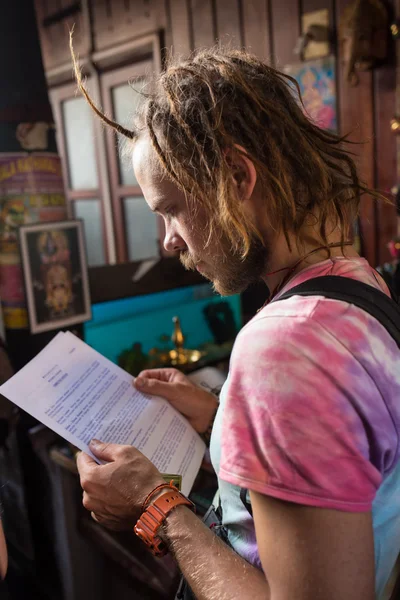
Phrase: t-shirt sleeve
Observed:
(292, 424)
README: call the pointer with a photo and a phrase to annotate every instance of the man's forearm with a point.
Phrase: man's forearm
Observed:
(212, 569)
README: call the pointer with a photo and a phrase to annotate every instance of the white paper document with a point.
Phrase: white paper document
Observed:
(80, 394)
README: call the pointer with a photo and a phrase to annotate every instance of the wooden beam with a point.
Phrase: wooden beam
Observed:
(179, 11)
(228, 23)
(203, 23)
(285, 30)
(256, 28)
(356, 109)
(385, 156)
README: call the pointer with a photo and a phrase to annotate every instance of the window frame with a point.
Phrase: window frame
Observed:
(116, 64)
(58, 96)
(108, 81)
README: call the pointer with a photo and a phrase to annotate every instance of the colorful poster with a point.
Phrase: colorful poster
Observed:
(31, 190)
(55, 274)
(317, 82)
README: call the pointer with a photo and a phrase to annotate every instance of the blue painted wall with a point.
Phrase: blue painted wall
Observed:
(117, 325)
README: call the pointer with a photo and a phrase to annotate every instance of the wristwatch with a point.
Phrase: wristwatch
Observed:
(154, 516)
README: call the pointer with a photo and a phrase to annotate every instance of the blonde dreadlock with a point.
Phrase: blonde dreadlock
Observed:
(81, 85)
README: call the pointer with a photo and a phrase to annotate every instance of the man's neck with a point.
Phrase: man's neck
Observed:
(297, 259)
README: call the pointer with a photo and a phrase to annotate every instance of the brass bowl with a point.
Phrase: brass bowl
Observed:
(183, 356)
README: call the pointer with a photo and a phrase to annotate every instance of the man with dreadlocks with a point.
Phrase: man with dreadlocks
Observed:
(308, 420)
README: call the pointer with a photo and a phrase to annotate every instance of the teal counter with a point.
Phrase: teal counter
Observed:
(116, 325)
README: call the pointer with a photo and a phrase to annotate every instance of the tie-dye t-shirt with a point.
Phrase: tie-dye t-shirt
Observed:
(310, 413)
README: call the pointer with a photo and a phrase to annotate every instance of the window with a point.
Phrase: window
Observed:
(90, 212)
(141, 229)
(100, 184)
(76, 139)
(125, 100)
(138, 229)
(79, 139)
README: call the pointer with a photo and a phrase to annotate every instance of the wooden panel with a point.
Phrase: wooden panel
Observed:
(357, 118)
(228, 23)
(122, 16)
(101, 22)
(256, 28)
(121, 20)
(54, 38)
(167, 274)
(285, 30)
(45, 41)
(311, 5)
(180, 26)
(56, 33)
(203, 23)
(385, 153)
(62, 29)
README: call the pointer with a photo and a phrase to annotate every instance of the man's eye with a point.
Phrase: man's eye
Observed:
(170, 211)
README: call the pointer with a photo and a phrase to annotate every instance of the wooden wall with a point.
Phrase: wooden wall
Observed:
(269, 28)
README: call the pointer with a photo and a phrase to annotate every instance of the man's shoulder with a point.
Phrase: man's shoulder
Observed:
(300, 313)
(296, 315)
(312, 327)
(278, 335)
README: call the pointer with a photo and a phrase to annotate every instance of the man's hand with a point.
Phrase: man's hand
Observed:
(114, 492)
(196, 404)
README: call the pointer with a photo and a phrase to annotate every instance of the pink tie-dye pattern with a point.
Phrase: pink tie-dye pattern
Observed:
(310, 410)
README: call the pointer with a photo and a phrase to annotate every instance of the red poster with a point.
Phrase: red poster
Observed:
(31, 190)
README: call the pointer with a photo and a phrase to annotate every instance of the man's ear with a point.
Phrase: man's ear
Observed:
(243, 171)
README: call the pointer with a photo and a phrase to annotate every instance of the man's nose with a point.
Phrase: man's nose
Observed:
(173, 241)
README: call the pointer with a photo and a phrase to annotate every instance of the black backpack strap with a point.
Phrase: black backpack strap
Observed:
(375, 302)
(245, 502)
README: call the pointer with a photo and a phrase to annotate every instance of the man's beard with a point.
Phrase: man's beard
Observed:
(230, 273)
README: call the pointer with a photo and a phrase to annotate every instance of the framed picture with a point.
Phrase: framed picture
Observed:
(55, 272)
(317, 82)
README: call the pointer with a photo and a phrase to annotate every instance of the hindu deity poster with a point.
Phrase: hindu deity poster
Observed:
(55, 273)
(317, 82)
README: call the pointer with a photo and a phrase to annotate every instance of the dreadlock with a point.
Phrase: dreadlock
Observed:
(223, 99)
(81, 85)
